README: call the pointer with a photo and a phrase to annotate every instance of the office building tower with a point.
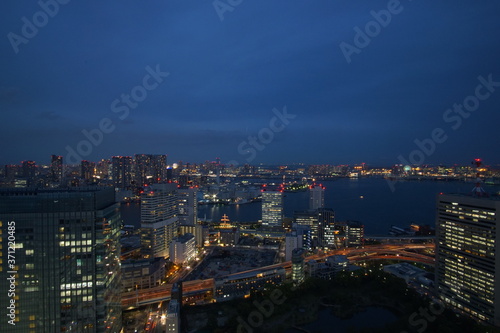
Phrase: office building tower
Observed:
(316, 197)
(11, 172)
(170, 174)
(333, 238)
(355, 233)
(29, 171)
(199, 231)
(121, 171)
(298, 273)
(56, 168)
(272, 208)
(87, 171)
(159, 222)
(326, 218)
(299, 237)
(150, 169)
(309, 218)
(103, 169)
(467, 261)
(67, 268)
(187, 205)
(183, 249)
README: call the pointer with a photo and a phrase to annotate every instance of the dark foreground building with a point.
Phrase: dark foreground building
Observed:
(467, 255)
(64, 272)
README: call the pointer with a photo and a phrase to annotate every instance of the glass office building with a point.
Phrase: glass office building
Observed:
(67, 268)
(467, 267)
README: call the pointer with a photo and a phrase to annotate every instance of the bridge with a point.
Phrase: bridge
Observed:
(134, 299)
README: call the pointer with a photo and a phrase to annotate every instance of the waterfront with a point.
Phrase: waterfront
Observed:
(368, 200)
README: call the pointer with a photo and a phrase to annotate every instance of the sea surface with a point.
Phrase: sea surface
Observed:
(368, 200)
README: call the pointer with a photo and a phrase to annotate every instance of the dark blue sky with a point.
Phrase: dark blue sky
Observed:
(226, 77)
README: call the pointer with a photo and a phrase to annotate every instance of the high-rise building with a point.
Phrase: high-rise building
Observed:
(187, 205)
(326, 218)
(316, 197)
(121, 171)
(87, 171)
(467, 261)
(11, 171)
(29, 171)
(308, 218)
(355, 233)
(298, 272)
(173, 316)
(103, 169)
(183, 249)
(150, 169)
(56, 168)
(159, 222)
(299, 237)
(66, 260)
(272, 208)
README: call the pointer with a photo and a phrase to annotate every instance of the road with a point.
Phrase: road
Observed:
(369, 252)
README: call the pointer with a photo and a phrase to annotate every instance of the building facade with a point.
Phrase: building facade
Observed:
(67, 268)
(159, 222)
(272, 208)
(467, 261)
(142, 274)
(121, 171)
(187, 205)
(316, 197)
(183, 249)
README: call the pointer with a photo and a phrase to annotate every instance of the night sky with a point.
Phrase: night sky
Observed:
(349, 97)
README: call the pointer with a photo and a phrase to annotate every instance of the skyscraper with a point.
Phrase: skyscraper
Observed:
(272, 208)
(187, 205)
(326, 218)
(66, 269)
(56, 168)
(316, 196)
(122, 171)
(159, 221)
(150, 169)
(309, 218)
(467, 261)
(87, 171)
(298, 273)
(29, 171)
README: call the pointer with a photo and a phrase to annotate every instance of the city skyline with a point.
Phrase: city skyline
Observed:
(312, 83)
